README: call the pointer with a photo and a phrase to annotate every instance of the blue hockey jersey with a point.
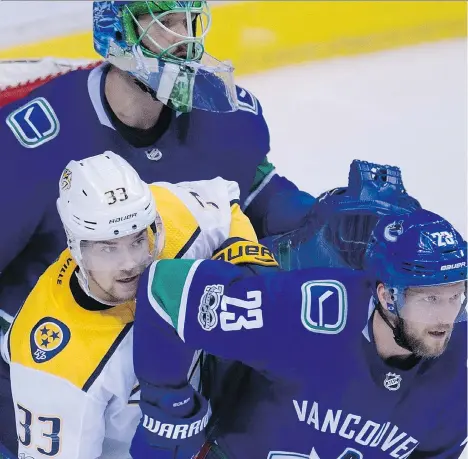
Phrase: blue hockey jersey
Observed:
(67, 119)
(308, 332)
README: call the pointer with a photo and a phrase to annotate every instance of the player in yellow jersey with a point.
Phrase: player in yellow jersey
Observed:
(70, 345)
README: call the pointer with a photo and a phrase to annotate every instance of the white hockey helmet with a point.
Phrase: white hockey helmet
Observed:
(103, 198)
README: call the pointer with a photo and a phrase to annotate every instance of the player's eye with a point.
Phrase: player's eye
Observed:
(108, 249)
(431, 299)
(456, 297)
(139, 242)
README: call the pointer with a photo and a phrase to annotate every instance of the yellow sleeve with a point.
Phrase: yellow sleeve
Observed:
(240, 224)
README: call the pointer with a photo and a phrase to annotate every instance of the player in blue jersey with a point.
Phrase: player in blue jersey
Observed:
(171, 110)
(343, 219)
(361, 364)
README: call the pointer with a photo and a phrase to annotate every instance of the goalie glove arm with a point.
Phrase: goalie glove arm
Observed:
(275, 205)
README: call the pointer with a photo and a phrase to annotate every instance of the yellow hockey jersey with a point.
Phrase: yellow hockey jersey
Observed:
(73, 383)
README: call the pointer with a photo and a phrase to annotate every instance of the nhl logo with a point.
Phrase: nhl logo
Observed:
(154, 154)
(392, 381)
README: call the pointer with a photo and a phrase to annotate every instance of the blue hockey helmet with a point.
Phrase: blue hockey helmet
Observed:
(169, 59)
(417, 249)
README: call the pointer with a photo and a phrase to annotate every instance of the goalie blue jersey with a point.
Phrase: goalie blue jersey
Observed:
(68, 119)
(329, 395)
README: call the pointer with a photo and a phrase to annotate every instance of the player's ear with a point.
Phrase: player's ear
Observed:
(383, 295)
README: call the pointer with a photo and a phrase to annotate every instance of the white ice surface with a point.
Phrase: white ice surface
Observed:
(404, 107)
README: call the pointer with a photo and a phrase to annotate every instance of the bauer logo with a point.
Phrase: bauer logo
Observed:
(454, 266)
(48, 338)
(34, 124)
(324, 306)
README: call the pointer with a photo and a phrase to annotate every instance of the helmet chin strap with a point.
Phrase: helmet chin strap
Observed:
(398, 333)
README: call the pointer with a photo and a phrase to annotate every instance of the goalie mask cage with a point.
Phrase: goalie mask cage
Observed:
(19, 77)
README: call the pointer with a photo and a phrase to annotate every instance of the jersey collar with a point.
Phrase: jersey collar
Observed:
(96, 80)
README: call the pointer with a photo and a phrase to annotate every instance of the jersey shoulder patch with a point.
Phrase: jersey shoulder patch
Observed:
(247, 101)
(34, 123)
(47, 338)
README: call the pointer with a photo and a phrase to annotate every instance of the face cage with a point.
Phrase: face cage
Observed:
(397, 294)
(195, 45)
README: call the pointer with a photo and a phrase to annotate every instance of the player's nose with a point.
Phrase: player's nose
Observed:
(128, 260)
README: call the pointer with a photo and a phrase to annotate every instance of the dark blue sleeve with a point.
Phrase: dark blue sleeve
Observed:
(174, 414)
(260, 320)
(279, 207)
(160, 356)
(248, 321)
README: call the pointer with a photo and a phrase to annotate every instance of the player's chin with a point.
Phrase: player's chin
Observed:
(435, 345)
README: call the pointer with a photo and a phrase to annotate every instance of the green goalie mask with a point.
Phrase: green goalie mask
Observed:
(162, 45)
